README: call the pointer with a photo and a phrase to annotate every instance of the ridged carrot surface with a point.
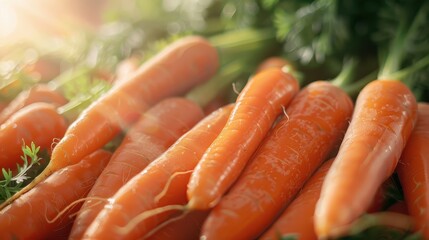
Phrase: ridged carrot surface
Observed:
(413, 171)
(384, 116)
(316, 121)
(257, 107)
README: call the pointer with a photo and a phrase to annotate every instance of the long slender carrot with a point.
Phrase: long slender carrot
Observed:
(413, 171)
(316, 119)
(256, 108)
(38, 93)
(38, 122)
(140, 193)
(383, 119)
(30, 216)
(297, 219)
(155, 131)
(179, 67)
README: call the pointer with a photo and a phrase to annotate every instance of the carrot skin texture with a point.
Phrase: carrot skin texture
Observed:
(179, 67)
(297, 219)
(383, 119)
(138, 194)
(413, 171)
(38, 93)
(186, 228)
(155, 131)
(256, 109)
(26, 218)
(38, 122)
(317, 118)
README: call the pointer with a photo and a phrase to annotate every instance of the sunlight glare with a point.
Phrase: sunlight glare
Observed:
(8, 19)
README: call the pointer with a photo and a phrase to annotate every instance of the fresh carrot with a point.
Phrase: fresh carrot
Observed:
(316, 119)
(176, 69)
(382, 121)
(297, 219)
(38, 122)
(185, 227)
(32, 216)
(256, 108)
(145, 191)
(154, 132)
(413, 171)
(38, 93)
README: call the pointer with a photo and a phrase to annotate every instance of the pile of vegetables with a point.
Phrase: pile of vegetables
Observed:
(255, 119)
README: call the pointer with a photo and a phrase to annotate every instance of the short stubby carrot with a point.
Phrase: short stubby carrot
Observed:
(384, 116)
(256, 109)
(175, 70)
(39, 123)
(145, 191)
(38, 93)
(316, 121)
(297, 219)
(413, 171)
(33, 215)
(148, 138)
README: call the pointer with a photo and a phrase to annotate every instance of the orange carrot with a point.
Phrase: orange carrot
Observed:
(176, 69)
(383, 119)
(38, 93)
(155, 131)
(256, 108)
(316, 119)
(413, 171)
(38, 122)
(140, 193)
(184, 228)
(32, 215)
(297, 219)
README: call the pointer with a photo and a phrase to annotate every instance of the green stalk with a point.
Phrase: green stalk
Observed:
(353, 89)
(398, 45)
(346, 75)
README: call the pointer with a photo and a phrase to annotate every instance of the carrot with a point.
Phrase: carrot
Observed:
(186, 227)
(32, 215)
(38, 122)
(155, 131)
(176, 69)
(297, 219)
(382, 121)
(38, 93)
(316, 119)
(256, 108)
(413, 171)
(140, 193)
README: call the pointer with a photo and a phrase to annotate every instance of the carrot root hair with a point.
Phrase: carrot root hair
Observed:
(71, 205)
(124, 230)
(167, 185)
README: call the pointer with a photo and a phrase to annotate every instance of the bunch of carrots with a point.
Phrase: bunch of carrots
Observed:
(160, 150)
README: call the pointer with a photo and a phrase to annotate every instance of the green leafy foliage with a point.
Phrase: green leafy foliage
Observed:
(13, 181)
